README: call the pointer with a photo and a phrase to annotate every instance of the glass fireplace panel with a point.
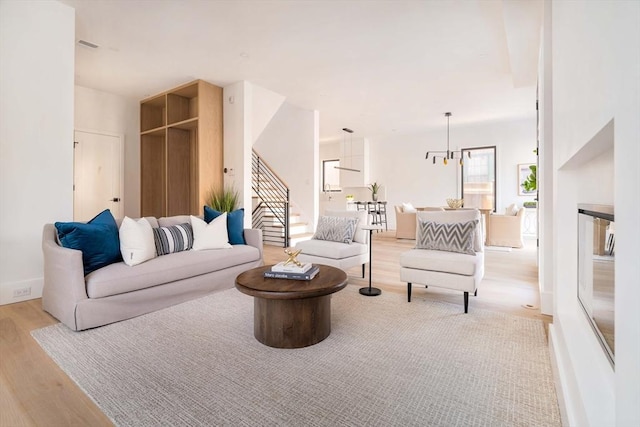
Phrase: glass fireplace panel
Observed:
(596, 271)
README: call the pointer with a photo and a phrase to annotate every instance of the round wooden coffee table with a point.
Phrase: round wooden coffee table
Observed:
(291, 313)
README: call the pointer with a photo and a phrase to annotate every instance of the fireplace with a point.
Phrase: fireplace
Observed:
(596, 272)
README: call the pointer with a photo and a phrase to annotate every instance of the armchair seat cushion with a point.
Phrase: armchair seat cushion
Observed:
(333, 250)
(446, 262)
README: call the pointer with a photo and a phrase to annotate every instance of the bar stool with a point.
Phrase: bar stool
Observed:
(382, 214)
(378, 212)
(361, 206)
(373, 211)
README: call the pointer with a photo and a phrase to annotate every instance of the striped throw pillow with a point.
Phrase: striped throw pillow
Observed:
(175, 238)
(455, 237)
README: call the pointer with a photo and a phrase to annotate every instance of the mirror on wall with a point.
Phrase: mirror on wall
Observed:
(596, 272)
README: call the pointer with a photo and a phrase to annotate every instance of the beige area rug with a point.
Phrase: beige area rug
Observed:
(386, 363)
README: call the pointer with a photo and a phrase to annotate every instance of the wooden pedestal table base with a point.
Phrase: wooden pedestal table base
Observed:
(291, 313)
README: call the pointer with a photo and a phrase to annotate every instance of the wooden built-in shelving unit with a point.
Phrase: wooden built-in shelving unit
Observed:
(180, 149)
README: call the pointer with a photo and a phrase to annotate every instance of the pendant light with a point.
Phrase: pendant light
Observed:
(344, 142)
(448, 154)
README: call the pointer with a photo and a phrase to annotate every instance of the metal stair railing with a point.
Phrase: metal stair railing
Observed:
(273, 198)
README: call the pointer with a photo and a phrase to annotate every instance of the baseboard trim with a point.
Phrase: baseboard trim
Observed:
(558, 366)
(546, 303)
(7, 290)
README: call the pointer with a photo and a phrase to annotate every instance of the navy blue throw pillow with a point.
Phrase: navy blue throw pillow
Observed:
(235, 223)
(97, 239)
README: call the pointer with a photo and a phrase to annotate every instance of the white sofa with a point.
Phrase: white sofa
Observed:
(117, 291)
(337, 254)
(450, 270)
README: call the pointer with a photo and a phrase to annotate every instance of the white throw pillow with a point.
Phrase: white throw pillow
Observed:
(408, 208)
(136, 241)
(511, 210)
(210, 236)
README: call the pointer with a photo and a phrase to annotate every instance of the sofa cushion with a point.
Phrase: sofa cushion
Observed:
(97, 239)
(174, 238)
(136, 241)
(446, 262)
(167, 221)
(329, 249)
(453, 237)
(235, 223)
(119, 278)
(336, 229)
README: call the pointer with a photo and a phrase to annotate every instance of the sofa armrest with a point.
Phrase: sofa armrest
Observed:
(253, 237)
(64, 284)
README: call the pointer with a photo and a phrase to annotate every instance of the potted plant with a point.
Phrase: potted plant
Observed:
(223, 199)
(374, 191)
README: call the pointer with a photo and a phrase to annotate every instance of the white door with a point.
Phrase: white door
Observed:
(97, 162)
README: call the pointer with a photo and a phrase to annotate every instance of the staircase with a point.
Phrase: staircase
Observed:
(272, 208)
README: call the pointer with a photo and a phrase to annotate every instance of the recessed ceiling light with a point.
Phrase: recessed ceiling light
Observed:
(87, 44)
(244, 54)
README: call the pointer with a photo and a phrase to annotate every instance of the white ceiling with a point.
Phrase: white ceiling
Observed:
(377, 67)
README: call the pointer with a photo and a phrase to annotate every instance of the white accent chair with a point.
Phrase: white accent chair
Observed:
(442, 269)
(337, 254)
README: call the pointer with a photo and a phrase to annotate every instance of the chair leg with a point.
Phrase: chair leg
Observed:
(466, 302)
(363, 271)
(475, 294)
(408, 292)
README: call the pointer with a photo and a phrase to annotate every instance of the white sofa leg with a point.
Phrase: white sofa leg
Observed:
(466, 302)
(408, 292)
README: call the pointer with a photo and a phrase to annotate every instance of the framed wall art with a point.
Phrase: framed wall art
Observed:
(527, 186)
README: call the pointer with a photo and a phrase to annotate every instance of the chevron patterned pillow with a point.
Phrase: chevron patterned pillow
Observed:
(336, 229)
(453, 237)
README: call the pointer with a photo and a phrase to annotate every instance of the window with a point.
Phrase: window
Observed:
(479, 177)
(330, 175)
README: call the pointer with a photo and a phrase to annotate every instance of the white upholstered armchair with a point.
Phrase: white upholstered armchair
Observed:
(338, 254)
(449, 253)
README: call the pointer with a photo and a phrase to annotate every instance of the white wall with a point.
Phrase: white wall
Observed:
(286, 137)
(289, 144)
(36, 135)
(593, 88)
(399, 164)
(105, 112)
(237, 105)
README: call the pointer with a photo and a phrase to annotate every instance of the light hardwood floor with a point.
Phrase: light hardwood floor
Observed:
(35, 392)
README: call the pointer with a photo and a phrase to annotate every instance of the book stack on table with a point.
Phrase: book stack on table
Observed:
(306, 271)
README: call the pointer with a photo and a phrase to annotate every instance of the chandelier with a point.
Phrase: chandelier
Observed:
(344, 149)
(447, 155)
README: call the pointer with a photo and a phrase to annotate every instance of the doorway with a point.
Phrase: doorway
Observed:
(97, 174)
